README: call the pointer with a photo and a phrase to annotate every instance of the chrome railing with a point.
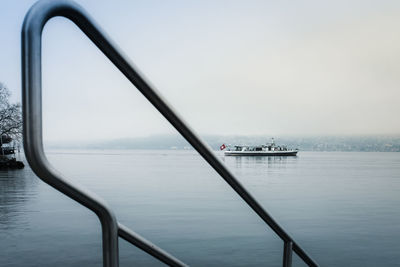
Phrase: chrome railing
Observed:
(32, 28)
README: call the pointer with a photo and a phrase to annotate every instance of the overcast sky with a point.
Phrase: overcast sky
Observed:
(228, 67)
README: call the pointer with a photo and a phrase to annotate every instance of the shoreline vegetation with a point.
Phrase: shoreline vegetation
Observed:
(373, 143)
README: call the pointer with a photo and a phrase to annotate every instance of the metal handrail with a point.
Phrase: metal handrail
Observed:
(32, 28)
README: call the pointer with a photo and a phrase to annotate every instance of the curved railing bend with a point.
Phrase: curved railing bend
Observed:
(32, 28)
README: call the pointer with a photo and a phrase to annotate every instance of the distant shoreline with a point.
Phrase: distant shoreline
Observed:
(309, 143)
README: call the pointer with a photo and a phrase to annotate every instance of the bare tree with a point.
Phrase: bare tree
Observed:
(10, 116)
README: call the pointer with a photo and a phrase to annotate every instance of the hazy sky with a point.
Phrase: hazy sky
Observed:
(228, 67)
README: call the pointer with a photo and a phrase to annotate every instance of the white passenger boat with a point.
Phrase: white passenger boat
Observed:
(262, 150)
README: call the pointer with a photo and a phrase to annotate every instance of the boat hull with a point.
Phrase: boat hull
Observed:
(261, 153)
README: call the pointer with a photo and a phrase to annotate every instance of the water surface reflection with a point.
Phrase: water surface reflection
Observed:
(17, 189)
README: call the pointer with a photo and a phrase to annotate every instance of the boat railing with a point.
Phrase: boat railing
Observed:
(32, 28)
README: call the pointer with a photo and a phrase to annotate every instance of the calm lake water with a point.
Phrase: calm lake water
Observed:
(342, 207)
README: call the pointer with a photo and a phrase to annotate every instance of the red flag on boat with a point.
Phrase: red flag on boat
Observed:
(222, 147)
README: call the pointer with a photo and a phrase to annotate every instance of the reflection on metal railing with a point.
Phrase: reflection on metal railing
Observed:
(32, 28)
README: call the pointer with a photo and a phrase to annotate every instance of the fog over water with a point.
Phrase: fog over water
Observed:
(229, 67)
(316, 75)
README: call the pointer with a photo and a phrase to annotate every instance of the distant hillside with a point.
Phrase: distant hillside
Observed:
(310, 143)
(319, 143)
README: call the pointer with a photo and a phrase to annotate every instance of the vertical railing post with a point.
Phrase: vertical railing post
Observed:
(287, 253)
